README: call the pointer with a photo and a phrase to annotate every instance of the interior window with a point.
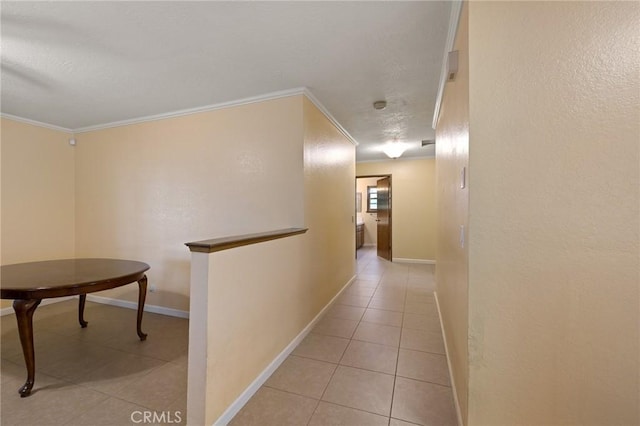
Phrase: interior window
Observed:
(372, 199)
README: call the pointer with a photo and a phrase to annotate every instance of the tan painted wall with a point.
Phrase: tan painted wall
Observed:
(414, 210)
(144, 190)
(554, 213)
(329, 207)
(452, 154)
(253, 314)
(369, 219)
(37, 194)
(256, 311)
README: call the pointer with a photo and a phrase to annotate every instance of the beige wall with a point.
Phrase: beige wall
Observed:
(413, 204)
(38, 201)
(144, 190)
(452, 154)
(329, 206)
(369, 219)
(553, 214)
(255, 312)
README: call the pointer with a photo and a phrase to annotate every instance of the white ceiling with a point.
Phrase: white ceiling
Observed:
(81, 64)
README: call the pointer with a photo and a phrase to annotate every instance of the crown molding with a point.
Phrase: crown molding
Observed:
(327, 114)
(244, 101)
(35, 123)
(454, 20)
(189, 111)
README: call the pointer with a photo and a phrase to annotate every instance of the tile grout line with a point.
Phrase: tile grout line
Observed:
(395, 375)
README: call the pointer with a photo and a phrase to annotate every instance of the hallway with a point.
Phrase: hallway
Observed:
(376, 358)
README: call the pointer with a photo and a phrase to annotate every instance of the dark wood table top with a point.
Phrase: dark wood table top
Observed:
(68, 277)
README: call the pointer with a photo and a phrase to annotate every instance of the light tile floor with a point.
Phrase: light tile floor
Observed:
(99, 375)
(376, 358)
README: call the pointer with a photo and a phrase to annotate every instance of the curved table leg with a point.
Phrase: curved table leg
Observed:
(24, 314)
(83, 299)
(142, 294)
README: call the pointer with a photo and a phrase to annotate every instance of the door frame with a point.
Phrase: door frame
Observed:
(382, 176)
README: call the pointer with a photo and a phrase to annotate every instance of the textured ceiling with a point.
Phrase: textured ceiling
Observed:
(81, 64)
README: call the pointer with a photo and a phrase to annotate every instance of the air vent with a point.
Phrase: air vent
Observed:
(427, 142)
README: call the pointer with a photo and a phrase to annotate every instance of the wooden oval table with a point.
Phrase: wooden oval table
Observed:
(29, 283)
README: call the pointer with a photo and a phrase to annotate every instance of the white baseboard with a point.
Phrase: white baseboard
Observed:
(9, 310)
(134, 305)
(422, 261)
(446, 351)
(246, 395)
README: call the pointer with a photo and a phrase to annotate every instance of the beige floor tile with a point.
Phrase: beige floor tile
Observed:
(121, 372)
(360, 389)
(420, 340)
(368, 276)
(345, 312)
(389, 296)
(393, 282)
(12, 371)
(378, 333)
(390, 292)
(271, 407)
(335, 327)
(179, 408)
(379, 316)
(53, 402)
(361, 283)
(396, 422)
(336, 415)
(83, 356)
(422, 298)
(321, 347)
(111, 412)
(359, 291)
(75, 363)
(387, 304)
(418, 308)
(422, 322)
(371, 356)
(43, 341)
(423, 366)
(157, 389)
(359, 301)
(423, 403)
(167, 345)
(413, 291)
(302, 376)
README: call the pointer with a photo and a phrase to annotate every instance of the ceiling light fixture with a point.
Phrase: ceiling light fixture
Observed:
(394, 149)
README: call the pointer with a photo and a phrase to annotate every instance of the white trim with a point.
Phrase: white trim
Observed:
(196, 110)
(9, 310)
(198, 332)
(244, 397)
(454, 20)
(423, 261)
(326, 112)
(446, 351)
(35, 123)
(244, 101)
(134, 305)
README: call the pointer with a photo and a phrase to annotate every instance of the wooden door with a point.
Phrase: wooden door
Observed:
(384, 218)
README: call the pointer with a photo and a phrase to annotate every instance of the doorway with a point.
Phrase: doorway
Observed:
(374, 213)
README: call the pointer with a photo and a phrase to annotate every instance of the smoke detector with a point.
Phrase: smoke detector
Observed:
(380, 105)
